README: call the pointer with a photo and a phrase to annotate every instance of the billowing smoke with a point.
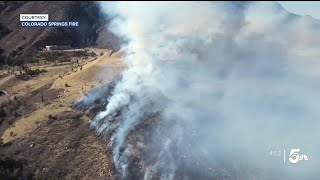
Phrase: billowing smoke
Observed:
(223, 83)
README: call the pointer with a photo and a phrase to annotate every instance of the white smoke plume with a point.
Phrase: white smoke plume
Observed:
(231, 80)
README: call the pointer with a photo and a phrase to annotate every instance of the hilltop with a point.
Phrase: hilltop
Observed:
(18, 45)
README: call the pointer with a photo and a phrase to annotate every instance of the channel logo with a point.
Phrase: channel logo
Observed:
(294, 156)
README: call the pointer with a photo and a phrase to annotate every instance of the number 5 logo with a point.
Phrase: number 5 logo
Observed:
(294, 156)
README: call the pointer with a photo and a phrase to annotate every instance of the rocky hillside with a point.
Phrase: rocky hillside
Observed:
(17, 44)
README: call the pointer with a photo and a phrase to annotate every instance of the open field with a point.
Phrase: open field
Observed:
(42, 106)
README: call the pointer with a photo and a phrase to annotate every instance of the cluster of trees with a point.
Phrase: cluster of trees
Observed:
(27, 73)
(13, 59)
(53, 56)
(13, 169)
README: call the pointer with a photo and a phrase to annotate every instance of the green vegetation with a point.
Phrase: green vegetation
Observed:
(53, 56)
(60, 56)
(84, 53)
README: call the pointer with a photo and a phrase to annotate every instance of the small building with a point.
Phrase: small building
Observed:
(58, 47)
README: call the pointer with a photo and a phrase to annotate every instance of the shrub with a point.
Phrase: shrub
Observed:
(27, 73)
(10, 168)
(2, 113)
(3, 31)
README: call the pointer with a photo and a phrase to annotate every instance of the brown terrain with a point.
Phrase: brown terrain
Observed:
(41, 129)
(21, 43)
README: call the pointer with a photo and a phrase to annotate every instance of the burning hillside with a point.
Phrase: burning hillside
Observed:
(243, 83)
